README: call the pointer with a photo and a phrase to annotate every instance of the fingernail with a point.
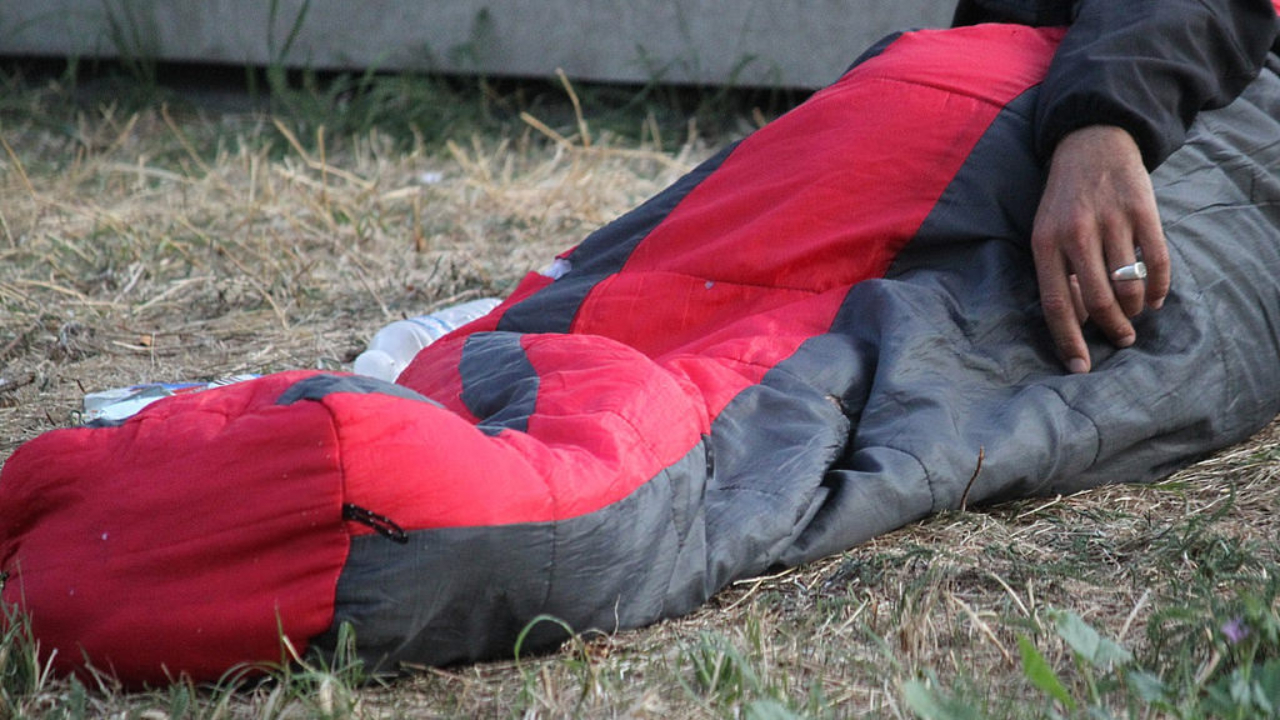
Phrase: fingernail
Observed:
(1157, 304)
(1125, 341)
(1078, 366)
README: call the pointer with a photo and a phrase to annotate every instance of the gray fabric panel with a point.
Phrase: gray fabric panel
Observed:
(459, 594)
(773, 445)
(499, 384)
(965, 362)
(994, 195)
(317, 387)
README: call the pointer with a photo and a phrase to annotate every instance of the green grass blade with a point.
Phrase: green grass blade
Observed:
(1037, 670)
(1098, 651)
(927, 705)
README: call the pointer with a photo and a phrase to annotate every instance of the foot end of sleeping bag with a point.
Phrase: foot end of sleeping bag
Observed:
(184, 541)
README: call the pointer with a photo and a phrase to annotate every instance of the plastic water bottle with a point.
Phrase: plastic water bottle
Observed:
(394, 346)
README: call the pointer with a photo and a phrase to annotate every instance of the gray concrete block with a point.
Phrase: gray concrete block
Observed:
(792, 43)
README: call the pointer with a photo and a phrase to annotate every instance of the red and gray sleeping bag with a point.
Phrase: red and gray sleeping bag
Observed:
(807, 341)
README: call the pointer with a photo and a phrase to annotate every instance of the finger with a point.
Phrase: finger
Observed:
(1148, 234)
(1098, 293)
(1082, 315)
(1059, 302)
(1155, 255)
(1128, 277)
(1124, 262)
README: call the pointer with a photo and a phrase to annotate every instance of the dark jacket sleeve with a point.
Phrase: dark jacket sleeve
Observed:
(1145, 65)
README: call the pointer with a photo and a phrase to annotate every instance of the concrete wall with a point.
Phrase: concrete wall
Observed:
(800, 43)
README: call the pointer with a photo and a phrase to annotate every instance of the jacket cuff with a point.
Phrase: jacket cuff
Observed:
(1156, 143)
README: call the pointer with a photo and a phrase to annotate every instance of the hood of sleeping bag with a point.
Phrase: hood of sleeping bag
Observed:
(807, 341)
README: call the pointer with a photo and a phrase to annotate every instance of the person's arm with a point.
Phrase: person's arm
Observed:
(1120, 94)
(1149, 66)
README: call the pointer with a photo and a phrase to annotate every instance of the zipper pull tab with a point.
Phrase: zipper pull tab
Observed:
(381, 524)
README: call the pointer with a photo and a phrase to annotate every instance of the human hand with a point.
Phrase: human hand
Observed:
(1097, 210)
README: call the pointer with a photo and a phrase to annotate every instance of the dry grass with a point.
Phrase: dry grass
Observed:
(156, 245)
(149, 246)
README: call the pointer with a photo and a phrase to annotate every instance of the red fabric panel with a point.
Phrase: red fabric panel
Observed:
(179, 541)
(607, 420)
(424, 466)
(819, 200)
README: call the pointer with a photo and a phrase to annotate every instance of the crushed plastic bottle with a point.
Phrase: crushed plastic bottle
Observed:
(117, 404)
(394, 346)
